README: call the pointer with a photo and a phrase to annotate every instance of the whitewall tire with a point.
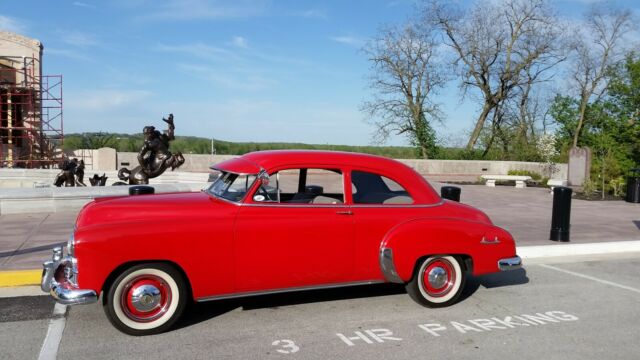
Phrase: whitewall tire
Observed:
(146, 299)
(438, 281)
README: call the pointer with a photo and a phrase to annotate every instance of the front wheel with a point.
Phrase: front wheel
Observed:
(146, 299)
(438, 281)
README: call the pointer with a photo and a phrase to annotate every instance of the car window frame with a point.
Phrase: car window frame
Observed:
(343, 173)
(379, 173)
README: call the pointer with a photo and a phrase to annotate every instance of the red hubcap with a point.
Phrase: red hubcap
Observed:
(438, 277)
(145, 298)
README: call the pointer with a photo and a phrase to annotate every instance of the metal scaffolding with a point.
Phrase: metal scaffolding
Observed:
(31, 121)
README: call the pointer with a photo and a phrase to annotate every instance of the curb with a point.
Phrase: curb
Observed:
(20, 278)
(601, 248)
(33, 277)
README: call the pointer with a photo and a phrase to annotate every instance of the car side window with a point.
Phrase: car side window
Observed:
(370, 188)
(303, 186)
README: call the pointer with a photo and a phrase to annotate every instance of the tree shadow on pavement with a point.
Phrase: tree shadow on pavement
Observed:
(500, 279)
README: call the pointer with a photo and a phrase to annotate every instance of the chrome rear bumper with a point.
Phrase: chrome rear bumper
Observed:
(56, 281)
(512, 263)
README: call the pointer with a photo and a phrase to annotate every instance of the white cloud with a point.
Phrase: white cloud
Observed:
(240, 42)
(234, 66)
(257, 120)
(108, 100)
(310, 13)
(348, 40)
(229, 78)
(79, 39)
(182, 10)
(70, 54)
(84, 5)
(201, 50)
(11, 24)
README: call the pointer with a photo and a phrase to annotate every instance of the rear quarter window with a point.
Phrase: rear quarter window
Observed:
(371, 188)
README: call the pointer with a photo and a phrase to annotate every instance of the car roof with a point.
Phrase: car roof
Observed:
(254, 162)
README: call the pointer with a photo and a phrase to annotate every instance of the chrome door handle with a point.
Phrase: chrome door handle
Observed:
(347, 212)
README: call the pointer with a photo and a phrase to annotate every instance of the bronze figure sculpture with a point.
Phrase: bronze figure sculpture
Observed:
(72, 173)
(98, 180)
(154, 157)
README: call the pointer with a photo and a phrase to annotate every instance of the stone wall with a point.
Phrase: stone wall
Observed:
(201, 163)
(197, 167)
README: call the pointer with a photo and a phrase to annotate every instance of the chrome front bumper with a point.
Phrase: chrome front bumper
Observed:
(57, 275)
(513, 263)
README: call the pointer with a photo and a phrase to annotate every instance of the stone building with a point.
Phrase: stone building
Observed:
(30, 105)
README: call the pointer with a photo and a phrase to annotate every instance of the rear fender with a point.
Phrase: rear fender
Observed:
(406, 243)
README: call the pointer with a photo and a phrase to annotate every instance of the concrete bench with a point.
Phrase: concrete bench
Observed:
(521, 181)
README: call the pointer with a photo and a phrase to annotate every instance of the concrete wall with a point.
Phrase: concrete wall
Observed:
(24, 201)
(196, 169)
(200, 163)
(193, 162)
(480, 167)
(42, 178)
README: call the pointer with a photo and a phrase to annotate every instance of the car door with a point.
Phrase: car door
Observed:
(379, 204)
(295, 232)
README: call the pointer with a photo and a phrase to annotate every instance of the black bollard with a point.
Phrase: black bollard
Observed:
(561, 217)
(633, 186)
(450, 193)
(141, 190)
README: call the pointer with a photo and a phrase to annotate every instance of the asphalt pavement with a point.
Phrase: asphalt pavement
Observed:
(569, 310)
(567, 306)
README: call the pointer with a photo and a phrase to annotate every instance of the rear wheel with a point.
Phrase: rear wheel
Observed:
(438, 281)
(146, 299)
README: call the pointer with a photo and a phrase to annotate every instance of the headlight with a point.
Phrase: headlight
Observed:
(71, 246)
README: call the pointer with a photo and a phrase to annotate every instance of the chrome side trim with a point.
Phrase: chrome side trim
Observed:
(386, 206)
(507, 264)
(285, 290)
(353, 206)
(388, 267)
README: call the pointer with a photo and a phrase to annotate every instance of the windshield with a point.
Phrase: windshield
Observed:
(231, 186)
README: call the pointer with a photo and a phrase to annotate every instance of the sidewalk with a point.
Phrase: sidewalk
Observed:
(26, 239)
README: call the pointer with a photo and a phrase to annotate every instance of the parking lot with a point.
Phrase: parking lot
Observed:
(574, 309)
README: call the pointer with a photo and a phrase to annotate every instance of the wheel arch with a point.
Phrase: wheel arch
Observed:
(413, 241)
(113, 275)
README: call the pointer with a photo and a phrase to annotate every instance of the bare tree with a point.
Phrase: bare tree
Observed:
(404, 75)
(596, 50)
(495, 45)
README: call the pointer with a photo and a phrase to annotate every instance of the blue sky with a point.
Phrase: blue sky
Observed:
(237, 70)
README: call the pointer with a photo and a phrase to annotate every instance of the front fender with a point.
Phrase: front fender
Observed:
(408, 242)
(205, 257)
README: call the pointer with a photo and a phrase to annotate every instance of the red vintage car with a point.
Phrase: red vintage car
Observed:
(274, 221)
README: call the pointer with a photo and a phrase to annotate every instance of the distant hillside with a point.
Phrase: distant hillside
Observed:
(197, 145)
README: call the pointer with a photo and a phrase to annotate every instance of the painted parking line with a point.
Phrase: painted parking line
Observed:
(20, 278)
(49, 350)
(602, 281)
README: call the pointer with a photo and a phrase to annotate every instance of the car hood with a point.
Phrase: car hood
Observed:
(152, 208)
